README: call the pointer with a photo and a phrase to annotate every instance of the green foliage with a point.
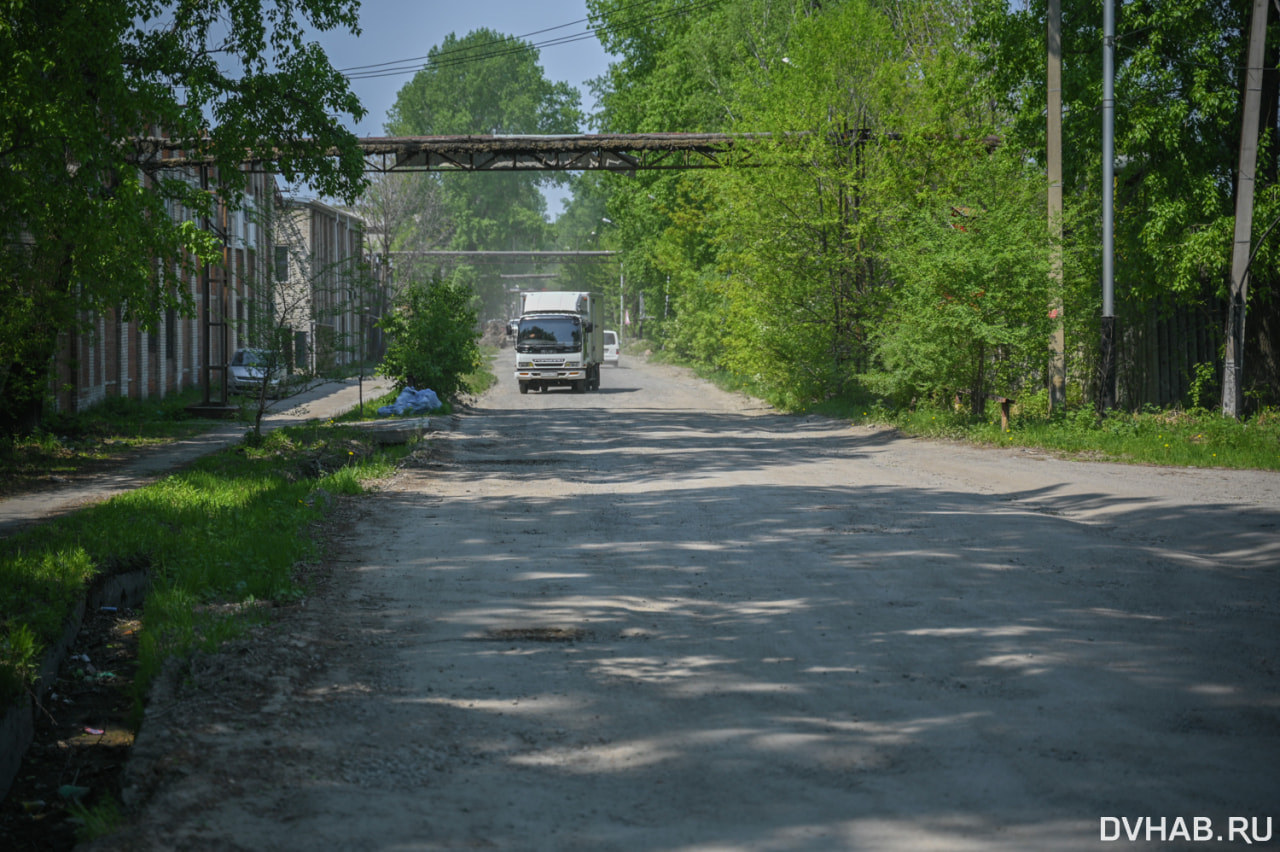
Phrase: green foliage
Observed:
(215, 538)
(19, 659)
(489, 83)
(1179, 84)
(1204, 386)
(97, 821)
(482, 378)
(433, 338)
(38, 590)
(1177, 123)
(85, 211)
(970, 309)
(827, 268)
(698, 332)
(874, 130)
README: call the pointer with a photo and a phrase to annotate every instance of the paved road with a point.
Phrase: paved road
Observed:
(661, 618)
(327, 400)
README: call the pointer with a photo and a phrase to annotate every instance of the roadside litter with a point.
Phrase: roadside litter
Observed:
(411, 401)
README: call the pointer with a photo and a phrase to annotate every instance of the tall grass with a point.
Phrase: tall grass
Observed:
(1174, 437)
(234, 528)
(1195, 437)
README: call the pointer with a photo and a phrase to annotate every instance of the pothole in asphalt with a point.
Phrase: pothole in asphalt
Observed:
(513, 462)
(537, 634)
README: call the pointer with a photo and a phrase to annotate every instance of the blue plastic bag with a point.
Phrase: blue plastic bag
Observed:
(411, 401)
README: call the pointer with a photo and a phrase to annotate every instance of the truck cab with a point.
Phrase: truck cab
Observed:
(559, 342)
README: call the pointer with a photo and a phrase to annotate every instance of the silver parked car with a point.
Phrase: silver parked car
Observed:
(249, 367)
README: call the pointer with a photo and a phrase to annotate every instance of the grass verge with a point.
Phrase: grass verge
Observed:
(1173, 437)
(231, 530)
(69, 444)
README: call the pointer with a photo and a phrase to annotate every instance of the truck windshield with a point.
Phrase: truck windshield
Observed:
(558, 331)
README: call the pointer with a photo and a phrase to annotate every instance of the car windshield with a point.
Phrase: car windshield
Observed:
(250, 358)
(560, 331)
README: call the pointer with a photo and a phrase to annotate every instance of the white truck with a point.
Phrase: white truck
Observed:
(559, 341)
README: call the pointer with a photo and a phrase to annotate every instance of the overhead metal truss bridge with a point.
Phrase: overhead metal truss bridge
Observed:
(445, 257)
(606, 152)
(627, 152)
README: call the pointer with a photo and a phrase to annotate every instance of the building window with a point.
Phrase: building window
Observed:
(282, 263)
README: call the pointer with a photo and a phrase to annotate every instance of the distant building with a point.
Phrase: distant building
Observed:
(321, 277)
(116, 357)
(290, 280)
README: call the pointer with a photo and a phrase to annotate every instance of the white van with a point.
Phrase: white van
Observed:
(611, 348)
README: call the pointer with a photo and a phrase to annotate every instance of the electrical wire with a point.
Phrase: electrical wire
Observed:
(468, 48)
(511, 45)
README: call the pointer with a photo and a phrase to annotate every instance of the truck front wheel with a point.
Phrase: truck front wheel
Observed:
(524, 387)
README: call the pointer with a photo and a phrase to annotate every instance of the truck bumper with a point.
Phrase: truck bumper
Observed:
(550, 375)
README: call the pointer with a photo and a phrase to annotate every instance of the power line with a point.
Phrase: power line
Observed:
(468, 48)
(510, 45)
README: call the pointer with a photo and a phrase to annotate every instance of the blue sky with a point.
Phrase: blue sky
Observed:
(395, 30)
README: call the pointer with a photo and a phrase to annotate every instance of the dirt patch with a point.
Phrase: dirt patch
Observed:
(538, 634)
(52, 473)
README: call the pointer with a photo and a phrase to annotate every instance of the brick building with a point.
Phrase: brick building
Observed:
(117, 357)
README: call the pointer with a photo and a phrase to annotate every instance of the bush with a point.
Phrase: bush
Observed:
(433, 338)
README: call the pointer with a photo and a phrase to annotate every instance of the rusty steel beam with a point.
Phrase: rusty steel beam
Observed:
(609, 152)
(600, 256)
(620, 152)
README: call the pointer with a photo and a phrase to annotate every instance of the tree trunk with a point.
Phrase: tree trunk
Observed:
(978, 390)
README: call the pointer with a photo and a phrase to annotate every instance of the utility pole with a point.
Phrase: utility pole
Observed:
(1107, 398)
(1057, 337)
(1232, 387)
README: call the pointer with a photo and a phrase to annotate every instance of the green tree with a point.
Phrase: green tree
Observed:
(861, 113)
(86, 209)
(681, 67)
(488, 83)
(581, 226)
(432, 337)
(970, 265)
(1178, 91)
(801, 236)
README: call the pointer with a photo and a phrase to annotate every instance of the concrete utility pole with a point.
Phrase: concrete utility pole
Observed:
(1057, 337)
(1232, 388)
(1107, 367)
